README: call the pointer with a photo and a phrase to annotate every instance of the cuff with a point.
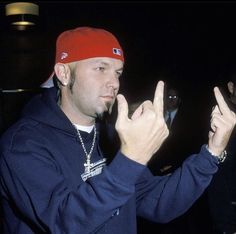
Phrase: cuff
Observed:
(125, 169)
(221, 158)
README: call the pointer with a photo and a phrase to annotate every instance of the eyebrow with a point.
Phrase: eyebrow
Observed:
(107, 65)
(103, 63)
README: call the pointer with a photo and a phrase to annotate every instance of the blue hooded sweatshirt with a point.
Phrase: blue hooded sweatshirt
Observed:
(42, 189)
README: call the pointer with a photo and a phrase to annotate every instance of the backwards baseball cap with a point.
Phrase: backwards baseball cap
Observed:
(83, 43)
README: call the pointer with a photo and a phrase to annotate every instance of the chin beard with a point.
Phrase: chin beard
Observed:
(104, 114)
(101, 116)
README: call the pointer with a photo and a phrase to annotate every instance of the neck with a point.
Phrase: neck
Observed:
(77, 117)
(174, 109)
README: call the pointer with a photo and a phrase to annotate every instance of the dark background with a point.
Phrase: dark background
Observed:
(189, 42)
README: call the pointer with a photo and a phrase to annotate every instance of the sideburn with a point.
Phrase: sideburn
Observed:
(72, 81)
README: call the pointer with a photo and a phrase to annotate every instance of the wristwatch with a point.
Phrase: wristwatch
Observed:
(221, 158)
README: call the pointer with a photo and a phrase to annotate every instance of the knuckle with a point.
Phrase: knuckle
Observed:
(118, 126)
(166, 133)
(151, 115)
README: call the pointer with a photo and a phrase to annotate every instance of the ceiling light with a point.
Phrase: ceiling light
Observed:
(22, 14)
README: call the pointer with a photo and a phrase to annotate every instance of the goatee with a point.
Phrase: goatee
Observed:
(105, 114)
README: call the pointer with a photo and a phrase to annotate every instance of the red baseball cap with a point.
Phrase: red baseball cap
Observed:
(83, 43)
(86, 42)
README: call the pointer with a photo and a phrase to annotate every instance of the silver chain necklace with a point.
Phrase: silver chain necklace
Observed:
(88, 164)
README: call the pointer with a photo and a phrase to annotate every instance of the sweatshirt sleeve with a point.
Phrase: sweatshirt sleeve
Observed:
(163, 198)
(44, 196)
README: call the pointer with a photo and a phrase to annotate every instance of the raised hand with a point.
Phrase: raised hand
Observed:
(143, 134)
(223, 121)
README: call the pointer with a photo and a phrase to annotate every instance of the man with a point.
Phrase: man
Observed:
(172, 103)
(232, 90)
(55, 176)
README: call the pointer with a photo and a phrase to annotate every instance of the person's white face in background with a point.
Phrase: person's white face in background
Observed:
(232, 91)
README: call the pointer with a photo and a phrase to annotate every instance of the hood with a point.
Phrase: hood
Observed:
(43, 108)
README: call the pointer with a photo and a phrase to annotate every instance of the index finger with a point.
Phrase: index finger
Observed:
(158, 98)
(224, 109)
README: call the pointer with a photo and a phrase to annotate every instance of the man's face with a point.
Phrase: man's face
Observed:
(94, 84)
(172, 99)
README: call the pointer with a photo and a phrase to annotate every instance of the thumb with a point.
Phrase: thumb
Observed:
(122, 106)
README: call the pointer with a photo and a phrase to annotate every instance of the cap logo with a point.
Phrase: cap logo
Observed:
(117, 51)
(64, 55)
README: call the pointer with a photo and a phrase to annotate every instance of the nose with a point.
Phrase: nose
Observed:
(114, 81)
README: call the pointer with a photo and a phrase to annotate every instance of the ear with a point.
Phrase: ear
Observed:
(62, 72)
(230, 85)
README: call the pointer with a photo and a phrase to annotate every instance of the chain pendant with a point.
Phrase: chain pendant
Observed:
(87, 166)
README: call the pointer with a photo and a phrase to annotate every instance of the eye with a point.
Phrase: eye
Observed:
(119, 73)
(100, 68)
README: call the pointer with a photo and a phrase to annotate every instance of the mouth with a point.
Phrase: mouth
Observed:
(108, 98)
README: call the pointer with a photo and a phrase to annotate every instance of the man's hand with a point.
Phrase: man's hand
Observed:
(143, 134)
(223, 121)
